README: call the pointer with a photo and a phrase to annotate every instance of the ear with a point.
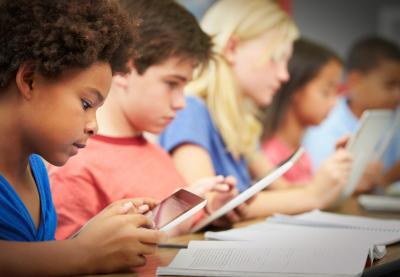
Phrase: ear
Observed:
(354, 78)
(231, 49)
(25, 80)
(120, 81)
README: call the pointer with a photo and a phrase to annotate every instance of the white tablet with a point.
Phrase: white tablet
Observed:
(175, 209)
(252, 190)
(373, 126)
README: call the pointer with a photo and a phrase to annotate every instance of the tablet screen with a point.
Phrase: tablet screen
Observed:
(173, 206)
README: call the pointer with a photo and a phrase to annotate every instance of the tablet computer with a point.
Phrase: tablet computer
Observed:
(175, 209)
(373, 126)
(252, 190)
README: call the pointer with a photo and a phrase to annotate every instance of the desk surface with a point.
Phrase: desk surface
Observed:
(164, 256)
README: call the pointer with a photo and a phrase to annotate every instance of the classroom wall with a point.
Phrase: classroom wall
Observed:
(337, 23)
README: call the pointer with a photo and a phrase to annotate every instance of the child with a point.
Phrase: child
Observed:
(119, 162)
(218, 132)
(56, 63)
(303, 101)
(373, 82)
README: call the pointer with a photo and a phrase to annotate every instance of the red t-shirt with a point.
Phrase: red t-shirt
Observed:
(277, 151)
(106, 170)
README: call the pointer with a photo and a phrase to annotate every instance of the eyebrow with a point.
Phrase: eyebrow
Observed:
(181, 78)
(99, 97)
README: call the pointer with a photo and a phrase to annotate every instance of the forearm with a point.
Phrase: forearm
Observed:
(393, 174)
(53, 258)
(296, 200)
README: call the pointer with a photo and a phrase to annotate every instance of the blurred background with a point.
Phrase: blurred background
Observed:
(337, 23)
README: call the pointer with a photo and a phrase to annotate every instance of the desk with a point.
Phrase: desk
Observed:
(164, 256)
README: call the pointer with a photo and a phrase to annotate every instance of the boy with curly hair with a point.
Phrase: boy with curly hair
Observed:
(119, 162)
(56, 64)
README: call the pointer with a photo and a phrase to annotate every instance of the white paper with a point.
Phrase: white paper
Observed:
(245, 257)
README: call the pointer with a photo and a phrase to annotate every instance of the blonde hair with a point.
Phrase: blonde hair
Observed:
(233, 114)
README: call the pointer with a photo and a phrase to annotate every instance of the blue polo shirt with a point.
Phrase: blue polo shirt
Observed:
(320, 140)
(194, 125)
(16, 223)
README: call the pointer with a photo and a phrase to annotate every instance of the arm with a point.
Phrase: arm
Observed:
(88, 252)
(322, 191)
(195, 163)
(260, 166)
(392, 175)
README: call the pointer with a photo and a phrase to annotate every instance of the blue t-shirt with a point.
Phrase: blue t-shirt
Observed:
(193, 125)
(320, 140)
(15, 220)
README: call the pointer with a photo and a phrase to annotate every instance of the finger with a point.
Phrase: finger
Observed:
(222, 188)
(137, 220)
(151, 236)
(138, 260)
(146, 248)
(233, 217)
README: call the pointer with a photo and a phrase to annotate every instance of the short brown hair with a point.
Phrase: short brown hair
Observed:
(165, 29)
(55, 35)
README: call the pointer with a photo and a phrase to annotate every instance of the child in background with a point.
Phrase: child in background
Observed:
(56, 64)
(373, 82)
(218, 131)
(119, 162)
(305, 100)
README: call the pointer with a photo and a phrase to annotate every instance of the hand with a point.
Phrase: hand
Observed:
(118, 238)
(342, 142)
(216, 183)
(330, 179)
(373, 175)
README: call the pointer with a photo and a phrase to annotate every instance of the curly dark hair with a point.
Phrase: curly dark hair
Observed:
(55, 35)
(165, 29)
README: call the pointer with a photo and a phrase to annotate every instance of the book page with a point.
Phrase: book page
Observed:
(245, 257)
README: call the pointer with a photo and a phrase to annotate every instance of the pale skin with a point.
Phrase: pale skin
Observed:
(55, 118)
(148, 102)
(195, 162)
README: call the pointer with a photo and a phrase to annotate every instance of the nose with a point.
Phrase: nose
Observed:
(178, 101)
(283, 73)
(91, 127)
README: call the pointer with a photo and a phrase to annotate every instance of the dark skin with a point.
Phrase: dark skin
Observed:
(54, 118)
(378, 88)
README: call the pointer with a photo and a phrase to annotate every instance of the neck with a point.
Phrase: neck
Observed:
(112, 120)
(356, 109)
(291, 131)
(14, 153)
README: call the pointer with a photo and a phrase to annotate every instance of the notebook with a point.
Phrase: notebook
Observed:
(252, 190)
(365, 144)
(210, 258)
(381, 203)
(319, 218)
(287, 235)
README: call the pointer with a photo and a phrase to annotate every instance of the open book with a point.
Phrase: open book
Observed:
(252, 190)
(287, 235)
(210, 258)
(365, 143)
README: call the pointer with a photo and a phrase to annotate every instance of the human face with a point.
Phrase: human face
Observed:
(260, 80)
(380, 87)
(61, 114)
(151, 100)
(315, 100)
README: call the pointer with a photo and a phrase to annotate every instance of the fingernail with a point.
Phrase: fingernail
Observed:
(143, 208)
(126, 207)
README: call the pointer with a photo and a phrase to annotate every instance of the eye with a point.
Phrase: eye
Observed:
(86, 104)
(172, 85)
